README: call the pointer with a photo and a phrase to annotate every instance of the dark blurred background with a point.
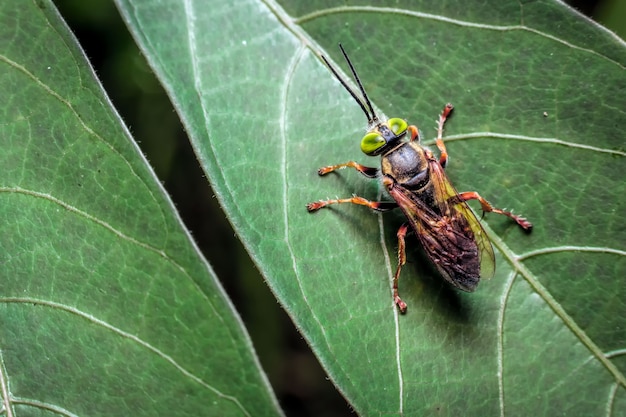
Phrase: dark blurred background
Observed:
(301, 385)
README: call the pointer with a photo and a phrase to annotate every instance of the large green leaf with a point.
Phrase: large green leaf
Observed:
(106, 306)
(540, 94)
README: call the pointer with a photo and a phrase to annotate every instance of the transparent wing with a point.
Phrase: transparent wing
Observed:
(448, 230)
(447, 199)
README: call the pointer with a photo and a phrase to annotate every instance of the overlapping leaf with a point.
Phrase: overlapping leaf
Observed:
(106, 306)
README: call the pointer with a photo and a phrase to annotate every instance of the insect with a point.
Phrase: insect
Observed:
(446, 227)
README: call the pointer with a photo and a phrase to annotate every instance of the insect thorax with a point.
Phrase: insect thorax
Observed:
(407, 164)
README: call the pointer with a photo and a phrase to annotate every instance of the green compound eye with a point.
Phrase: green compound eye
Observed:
(397, 125)
(372, 142)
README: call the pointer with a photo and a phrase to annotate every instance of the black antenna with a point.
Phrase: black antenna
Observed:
(370, 119)
(358, 81)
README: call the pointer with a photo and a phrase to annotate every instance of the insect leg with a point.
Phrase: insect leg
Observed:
(401, 261)
(443, 157)
(374, 205)
(414, 133)
(488, 208)
(367, 171)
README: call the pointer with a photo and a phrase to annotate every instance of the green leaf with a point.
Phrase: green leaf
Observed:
(540, 97)
(107, 307)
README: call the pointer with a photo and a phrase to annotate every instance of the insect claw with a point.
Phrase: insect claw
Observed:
(524, 224)
(313, 207)
(325, 170)
(401, 304)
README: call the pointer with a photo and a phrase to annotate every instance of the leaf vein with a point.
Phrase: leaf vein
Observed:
(516, 262)
(439, 18)
(396, 318)
(494, 135)
(122, 333)
(500, 337)
(84, 124)
(559, 249)
(284, 162)
(611, 399)
(4, 386)
(116, 232)
(43, 406)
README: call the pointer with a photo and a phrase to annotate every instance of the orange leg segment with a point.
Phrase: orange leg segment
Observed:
(401, 261)
(443, 158)
(367, 171)
(374, 205)
(414, 133)
(488, 208)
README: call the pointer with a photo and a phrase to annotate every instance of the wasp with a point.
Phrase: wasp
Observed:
(448, 230)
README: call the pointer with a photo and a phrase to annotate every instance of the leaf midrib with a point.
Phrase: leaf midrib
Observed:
(516, 261)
